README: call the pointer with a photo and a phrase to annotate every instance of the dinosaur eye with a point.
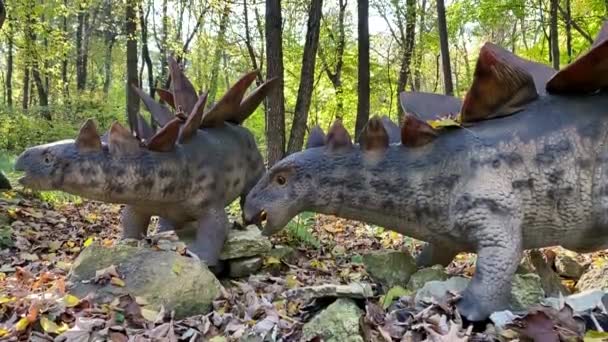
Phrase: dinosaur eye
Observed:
(281, 180)
(47, 160)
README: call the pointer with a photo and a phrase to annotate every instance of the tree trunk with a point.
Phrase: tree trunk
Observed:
(335, 76)
(43, 99)
(108, 41)
(408, 49)
(275, 118)
(145, 53)
(65, 86)
(249, 44)
(568, 20)
(419, 49)
(2, 13)
(553, 35)
(164, 78)
(82, 48)
(307, 77)
(26, 88)
(363, 66)
(219, 48)
(445, 50)
(9, 68)
(131, 32)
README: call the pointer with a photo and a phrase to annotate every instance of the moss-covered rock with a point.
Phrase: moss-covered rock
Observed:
(339, 322)
(418, 279)
(161, 277)
(526, 291)
(245, 243)
(390, 267)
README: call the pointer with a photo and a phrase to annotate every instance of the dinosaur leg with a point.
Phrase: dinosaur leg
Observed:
(436, 254)
(134, 223)
(497, 234)
(241, 225)
(210, 236)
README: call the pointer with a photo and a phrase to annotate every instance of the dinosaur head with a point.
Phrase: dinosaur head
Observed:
(58, 165)
(314, 178)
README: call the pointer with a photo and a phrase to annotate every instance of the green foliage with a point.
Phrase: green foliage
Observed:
(300, 227)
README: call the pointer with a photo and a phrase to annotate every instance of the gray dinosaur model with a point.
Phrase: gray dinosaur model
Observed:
(189, 170)
(528, 171)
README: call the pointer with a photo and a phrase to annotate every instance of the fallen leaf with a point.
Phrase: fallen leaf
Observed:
(394, 293)
(596, 336)
(117, 282)
(22, 324)
(89, 241)
(70, 300)
(149, 314)
(48, 325)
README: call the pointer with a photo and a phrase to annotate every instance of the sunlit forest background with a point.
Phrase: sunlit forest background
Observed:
(62, 61)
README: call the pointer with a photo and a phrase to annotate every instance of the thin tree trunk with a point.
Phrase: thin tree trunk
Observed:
(65, 86)
(9, 68)
(363, 66)
(2, 13)
(568, 19)
(419, 50)
(26, 88)
(109, 44)
(307, 77)
(43, 99)
(335, 76)
(275, 118)
(145, 53)
(131, 32)
(553, 35)
(219, 48)
(82, 48)
(249, 44)
(408, 49)
(164, 79)
(445, 50)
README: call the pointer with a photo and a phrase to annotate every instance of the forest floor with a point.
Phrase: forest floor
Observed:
(45, 237)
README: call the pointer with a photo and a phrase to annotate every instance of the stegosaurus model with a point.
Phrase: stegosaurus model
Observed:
(529, 170)
(189, 170)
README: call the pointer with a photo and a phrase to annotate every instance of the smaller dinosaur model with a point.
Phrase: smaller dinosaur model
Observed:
(189, 170)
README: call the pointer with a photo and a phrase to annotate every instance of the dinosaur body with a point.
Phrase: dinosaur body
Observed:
(188, 171)
(527, 172)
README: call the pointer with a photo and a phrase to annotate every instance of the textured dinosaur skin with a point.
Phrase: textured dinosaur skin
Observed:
(186, 172)
(533, 177)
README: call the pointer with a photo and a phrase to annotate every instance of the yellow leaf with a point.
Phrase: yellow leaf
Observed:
(272, 261)
(89, 241)
(71, 244)
(177, 268)
(141, 301)
(70, 300)
(291, 282)
(149, 314)
(4, 332)
(22, 324)
(446, 121)
(5, 299)
(117, 282)
(48, 325)
(63, 328)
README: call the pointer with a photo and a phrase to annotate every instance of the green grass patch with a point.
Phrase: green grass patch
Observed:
(299, 228)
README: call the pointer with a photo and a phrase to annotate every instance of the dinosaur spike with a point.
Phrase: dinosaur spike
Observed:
(230, 103)
(416, 132)
(586, 74)
(499, 88)
(252, 101)
(428, 105)
(88, 139)
(374, 135)
(541, 73)
(166, 96)
(184, 94)
(338, 137)
(316, 137)
(144, 131)
(194, 120)
(120, 140)
(392, 129)
(160, 113)
(164, 140)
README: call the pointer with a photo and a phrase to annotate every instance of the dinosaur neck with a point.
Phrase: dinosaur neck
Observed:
(389, 190)
(142, 177)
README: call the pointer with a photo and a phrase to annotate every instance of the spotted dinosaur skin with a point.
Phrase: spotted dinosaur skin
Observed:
(532, 176)
(188, 171)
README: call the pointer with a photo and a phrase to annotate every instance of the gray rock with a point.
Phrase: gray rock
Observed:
(439, 289)
(594, 278)
(567, 266)
(526, 291)
(418, 279)
(245, 243)
(285, 253)
(579, 302)
(161, 277)
(244, 267)
(338, 322)
(390, 267)
(550, 281)
(4, 183)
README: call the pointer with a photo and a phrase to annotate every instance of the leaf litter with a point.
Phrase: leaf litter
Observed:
(272, 305)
